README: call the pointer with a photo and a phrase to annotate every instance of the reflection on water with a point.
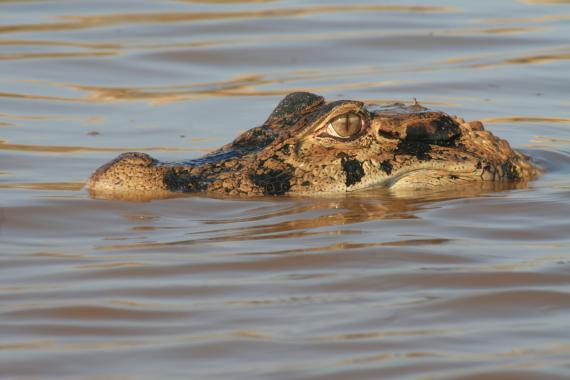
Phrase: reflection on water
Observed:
(73, 149)
(233, 87)
(44, 186)
(459, 283)
(94, 21)
(526, 119)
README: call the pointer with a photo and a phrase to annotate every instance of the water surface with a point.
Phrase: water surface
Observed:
(454, 284)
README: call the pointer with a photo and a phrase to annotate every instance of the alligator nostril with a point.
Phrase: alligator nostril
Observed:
(135, 159)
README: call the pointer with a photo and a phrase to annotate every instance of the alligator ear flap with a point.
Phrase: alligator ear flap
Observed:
(292, 107)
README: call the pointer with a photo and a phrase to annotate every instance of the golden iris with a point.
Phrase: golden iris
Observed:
(345, 126)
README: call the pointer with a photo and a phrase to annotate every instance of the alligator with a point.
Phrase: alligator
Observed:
(311, 146)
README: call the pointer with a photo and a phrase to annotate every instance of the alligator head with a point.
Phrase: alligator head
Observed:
(309, 146)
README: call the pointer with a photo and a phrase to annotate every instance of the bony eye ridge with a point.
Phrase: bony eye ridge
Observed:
(345, 126)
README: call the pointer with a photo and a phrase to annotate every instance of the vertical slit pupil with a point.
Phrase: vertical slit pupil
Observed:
(347, 125)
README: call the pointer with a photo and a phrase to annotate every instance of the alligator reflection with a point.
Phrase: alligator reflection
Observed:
(309, 217)
(362, 206)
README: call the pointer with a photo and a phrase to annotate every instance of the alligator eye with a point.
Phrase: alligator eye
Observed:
(345, 126)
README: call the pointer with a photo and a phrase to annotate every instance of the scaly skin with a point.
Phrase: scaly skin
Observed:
(398, 146)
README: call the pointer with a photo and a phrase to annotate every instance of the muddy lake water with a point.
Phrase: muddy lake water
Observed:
(450, 284)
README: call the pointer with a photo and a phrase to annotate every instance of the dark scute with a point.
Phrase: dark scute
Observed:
(293, 106)
(440, 131)
(420, 149)
(386, 167)
(273, 182)
(353, 170)
(182, 181)
(511, 171)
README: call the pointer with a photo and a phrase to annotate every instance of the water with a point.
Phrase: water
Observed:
(455, 284)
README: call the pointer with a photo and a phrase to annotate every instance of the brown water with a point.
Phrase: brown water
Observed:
(458, 284)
